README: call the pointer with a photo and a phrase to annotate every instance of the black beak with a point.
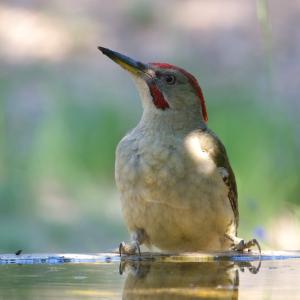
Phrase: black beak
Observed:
(134, 67)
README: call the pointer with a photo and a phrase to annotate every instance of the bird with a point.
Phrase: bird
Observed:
(180, 280)
(177, 188)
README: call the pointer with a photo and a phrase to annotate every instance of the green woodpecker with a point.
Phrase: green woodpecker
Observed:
(177, 187)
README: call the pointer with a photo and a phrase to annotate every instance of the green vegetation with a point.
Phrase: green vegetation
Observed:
(62, 115)
(57, 189)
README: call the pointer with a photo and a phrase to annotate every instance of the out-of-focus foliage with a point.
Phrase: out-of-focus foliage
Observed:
(64, 107)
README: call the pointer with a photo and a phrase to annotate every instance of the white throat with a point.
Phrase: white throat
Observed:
(167, 119)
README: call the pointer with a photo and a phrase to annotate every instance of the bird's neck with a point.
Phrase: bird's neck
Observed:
(172, 122)
(168, 120)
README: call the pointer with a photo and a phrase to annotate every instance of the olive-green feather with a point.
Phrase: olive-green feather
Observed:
(218, 154)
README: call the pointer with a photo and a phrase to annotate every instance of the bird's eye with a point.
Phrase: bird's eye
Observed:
(170, 79)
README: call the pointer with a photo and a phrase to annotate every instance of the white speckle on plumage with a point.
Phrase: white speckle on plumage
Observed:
(223, 172)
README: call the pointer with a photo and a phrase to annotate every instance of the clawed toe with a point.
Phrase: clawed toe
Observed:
(122, 267)
(242, 245)
(129, 249)
(252, 243)
(249, 266)
(121, 248)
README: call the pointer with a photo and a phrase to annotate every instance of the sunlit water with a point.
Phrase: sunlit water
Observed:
(221, 279)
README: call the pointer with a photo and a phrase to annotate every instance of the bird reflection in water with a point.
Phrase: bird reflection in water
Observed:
(182, 280)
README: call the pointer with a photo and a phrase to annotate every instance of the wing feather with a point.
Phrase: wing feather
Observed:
(217, 152)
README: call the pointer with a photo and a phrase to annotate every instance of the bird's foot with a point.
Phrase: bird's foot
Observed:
(249, 266)
(241, 245)
(129, 249)
(137, 268)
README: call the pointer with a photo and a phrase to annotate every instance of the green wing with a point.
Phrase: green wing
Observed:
(217, 152)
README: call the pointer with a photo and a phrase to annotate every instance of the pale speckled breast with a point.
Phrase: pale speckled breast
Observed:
(175, 195)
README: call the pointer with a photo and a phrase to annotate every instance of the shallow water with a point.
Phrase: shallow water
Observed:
(176, 279)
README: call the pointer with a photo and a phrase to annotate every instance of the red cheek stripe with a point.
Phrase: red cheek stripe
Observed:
(158, 98)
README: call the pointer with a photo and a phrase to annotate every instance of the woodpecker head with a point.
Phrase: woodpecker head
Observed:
(165, 89)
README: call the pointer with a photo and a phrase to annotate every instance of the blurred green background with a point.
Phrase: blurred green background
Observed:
(64, 107)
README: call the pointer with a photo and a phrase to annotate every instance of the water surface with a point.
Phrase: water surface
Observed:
(162, 279)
